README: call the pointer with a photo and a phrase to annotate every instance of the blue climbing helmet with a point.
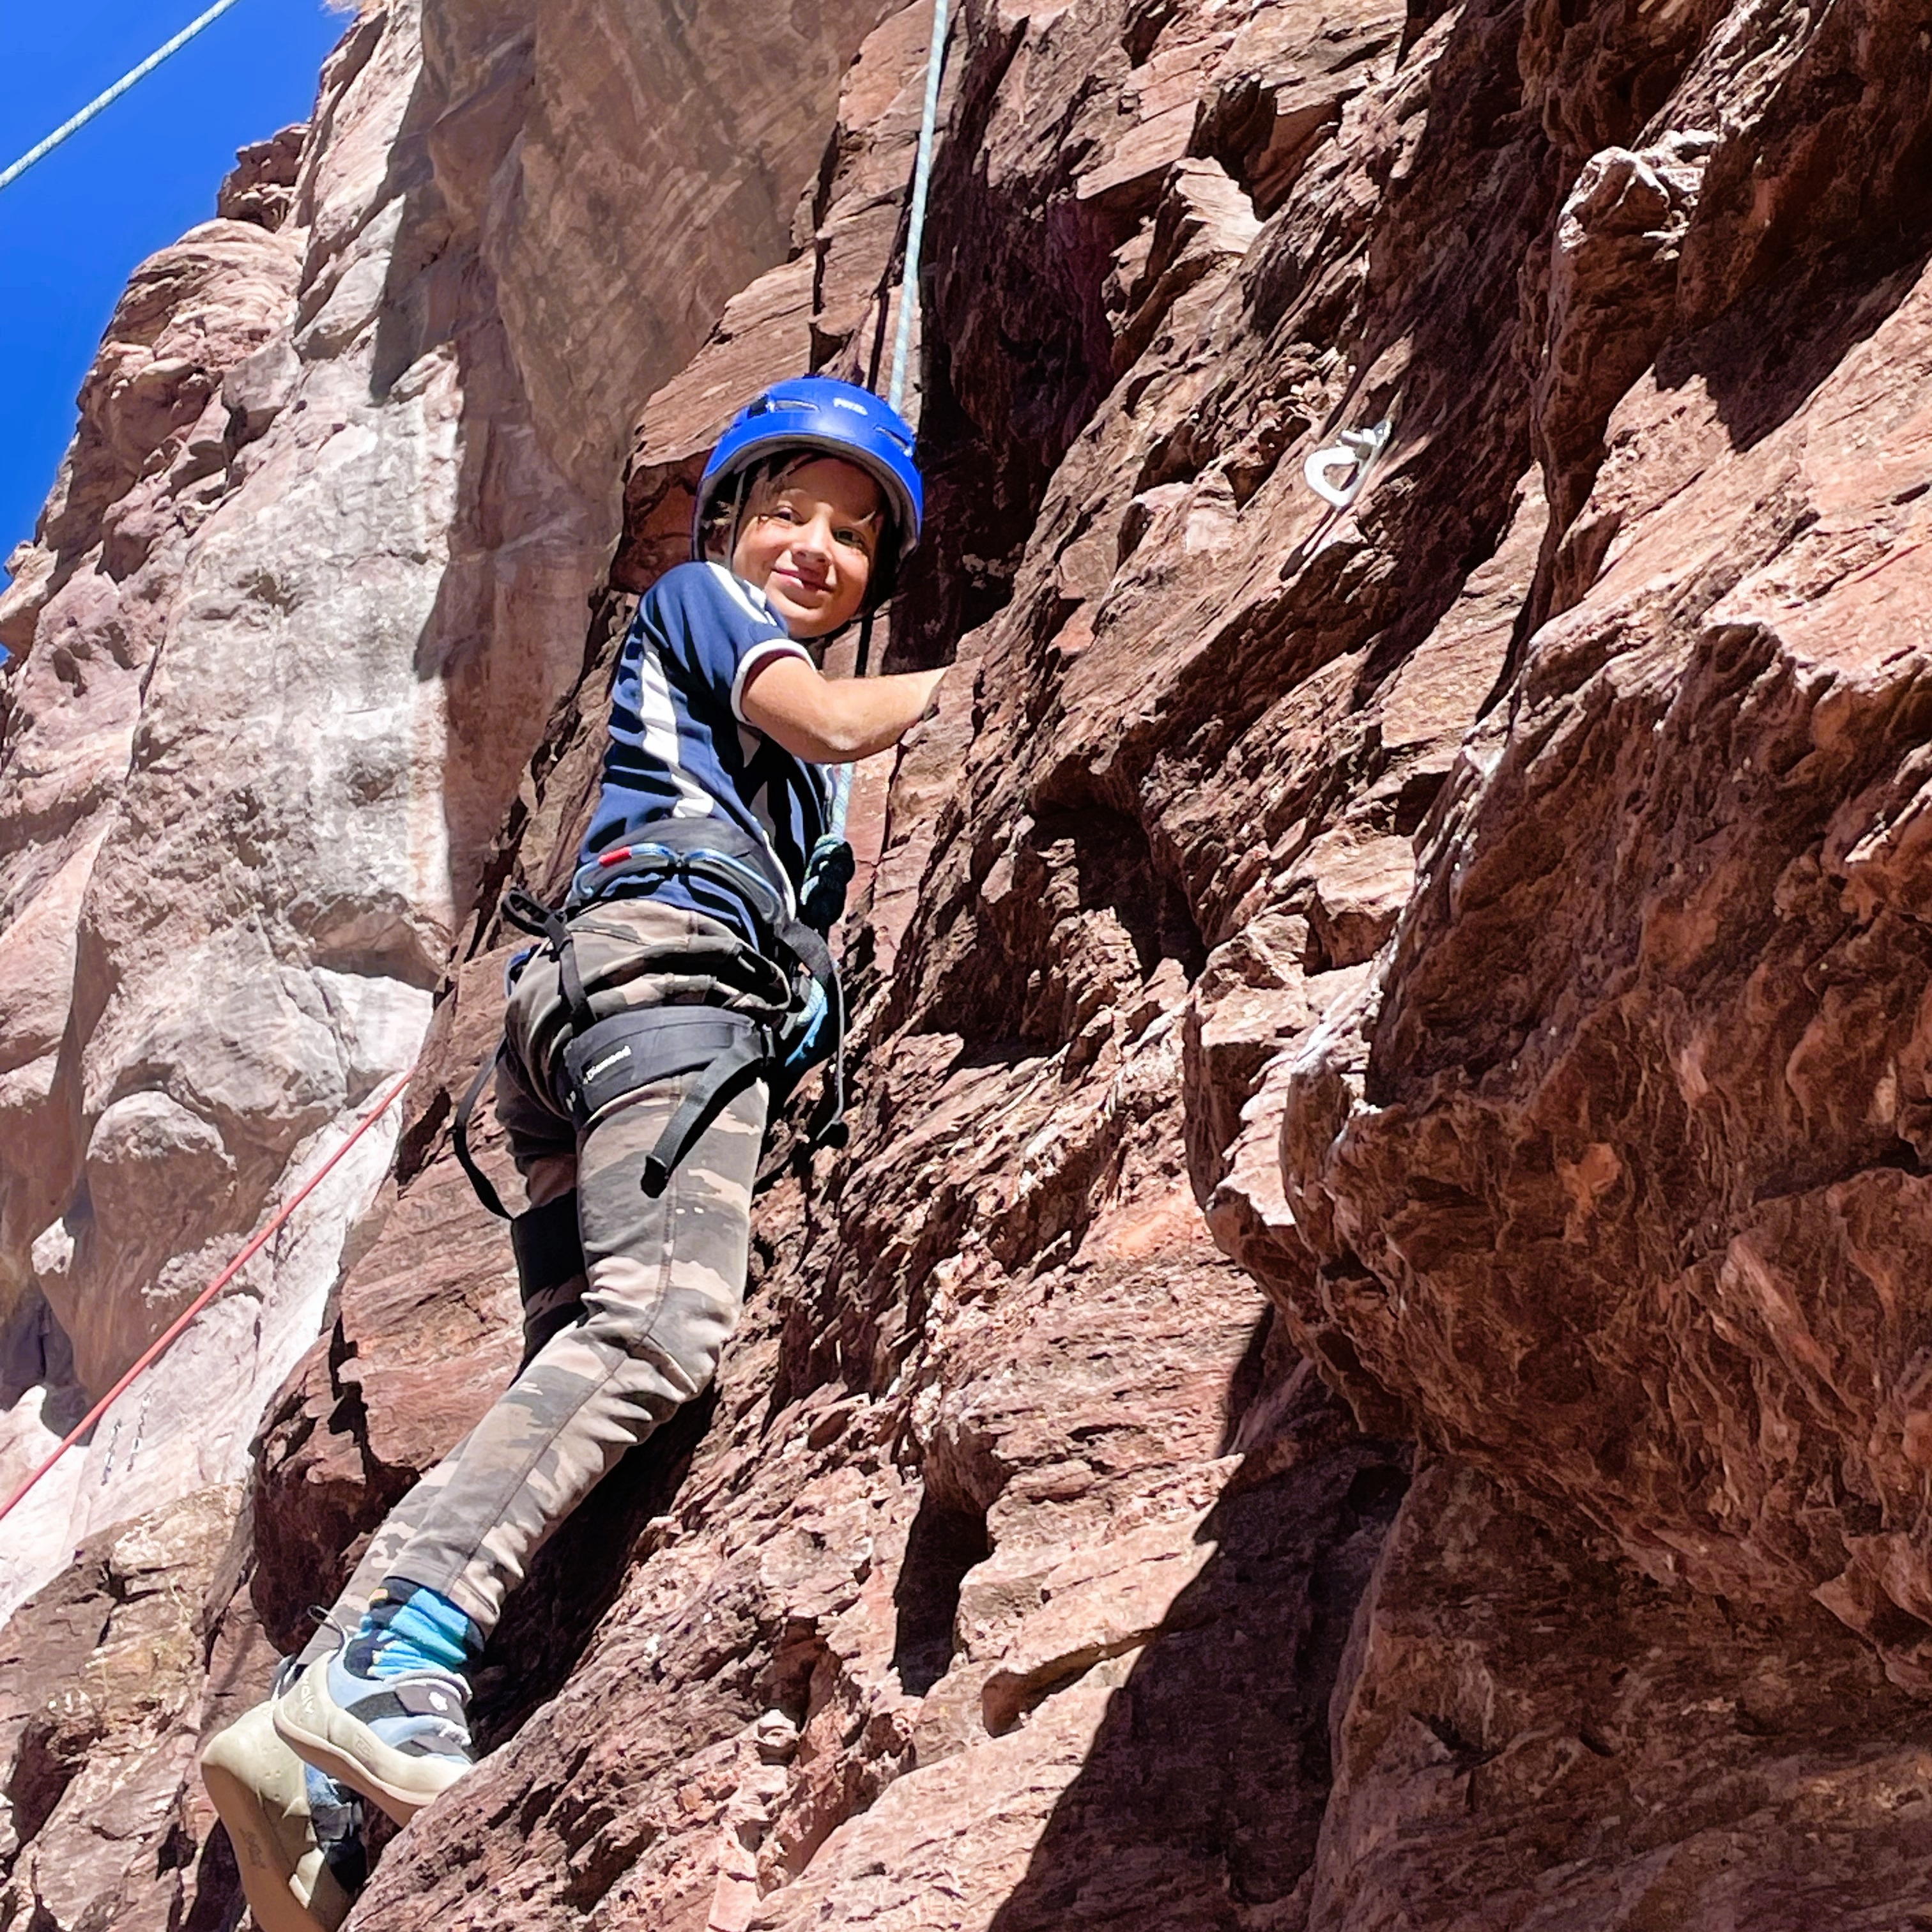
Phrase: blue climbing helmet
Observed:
(820, 413)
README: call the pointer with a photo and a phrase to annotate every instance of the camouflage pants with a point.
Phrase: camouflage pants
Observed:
(616, 1351)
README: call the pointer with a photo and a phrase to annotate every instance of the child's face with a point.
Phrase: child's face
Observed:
(807, 541)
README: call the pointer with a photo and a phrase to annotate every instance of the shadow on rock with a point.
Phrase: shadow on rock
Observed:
(1201, 1800)
(549, 1620)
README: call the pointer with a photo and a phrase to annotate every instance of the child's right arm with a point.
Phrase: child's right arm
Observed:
(834, 721)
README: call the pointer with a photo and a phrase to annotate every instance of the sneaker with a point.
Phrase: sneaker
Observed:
(400, 1741)
(297, 1834)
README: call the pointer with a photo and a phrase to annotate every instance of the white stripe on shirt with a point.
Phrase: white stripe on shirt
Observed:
(750, 600)
(760, 654)
(658, 718)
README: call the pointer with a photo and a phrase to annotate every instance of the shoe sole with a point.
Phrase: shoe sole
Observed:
(320, 1732)
(267, 1876)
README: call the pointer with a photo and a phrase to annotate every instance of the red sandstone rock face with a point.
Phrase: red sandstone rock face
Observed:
(310, 584)
(105, 1673)
(1528, 1733)
(1200, 743)
(1613, 1170)
(1482, 919)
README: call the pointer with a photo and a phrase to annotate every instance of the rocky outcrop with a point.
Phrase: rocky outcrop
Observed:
(1532, 1732)
(313, 578)
(105, 1673)
(1361, 1366)
(1660, 1139)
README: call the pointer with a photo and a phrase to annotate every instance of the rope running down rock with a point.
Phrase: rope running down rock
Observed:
(158, 1347)
(922, 184)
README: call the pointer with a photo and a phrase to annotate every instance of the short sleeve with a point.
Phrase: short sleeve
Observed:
(717, 630)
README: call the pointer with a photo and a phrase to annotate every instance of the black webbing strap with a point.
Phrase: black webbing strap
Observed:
(638, 1046)
(529, 914)
(728, 1075)
(478, 1179)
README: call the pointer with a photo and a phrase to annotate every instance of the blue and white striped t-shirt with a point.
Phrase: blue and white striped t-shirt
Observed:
(679, 746)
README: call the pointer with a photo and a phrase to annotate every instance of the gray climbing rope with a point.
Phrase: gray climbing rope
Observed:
(922, 182)
(9, 175)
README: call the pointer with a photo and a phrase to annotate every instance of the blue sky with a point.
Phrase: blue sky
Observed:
(132, 181)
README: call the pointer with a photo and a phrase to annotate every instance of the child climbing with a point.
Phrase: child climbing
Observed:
(679, 987)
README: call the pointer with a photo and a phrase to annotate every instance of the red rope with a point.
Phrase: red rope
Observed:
(157, 1348)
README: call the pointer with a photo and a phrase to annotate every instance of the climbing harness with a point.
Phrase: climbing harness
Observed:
(41, 150)
(812, 1033)
(160, 1346)
(607, 1059)
(1362, 449)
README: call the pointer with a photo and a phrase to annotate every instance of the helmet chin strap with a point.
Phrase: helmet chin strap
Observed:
(741, 490)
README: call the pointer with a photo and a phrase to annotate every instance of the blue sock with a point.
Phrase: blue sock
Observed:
(407, 1628)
